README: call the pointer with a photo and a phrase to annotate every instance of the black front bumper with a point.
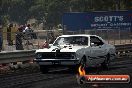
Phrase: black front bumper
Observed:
(57, 61)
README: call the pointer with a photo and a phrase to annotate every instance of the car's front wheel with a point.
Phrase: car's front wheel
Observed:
(106, 63)
(73, 69)
(82, 63)
(44, 69)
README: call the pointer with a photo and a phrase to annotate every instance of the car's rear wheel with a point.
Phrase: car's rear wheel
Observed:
(106, 63)
(74, 68)
(44, 69)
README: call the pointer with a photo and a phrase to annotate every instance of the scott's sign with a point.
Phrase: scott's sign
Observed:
(98, 20)
(108, 18)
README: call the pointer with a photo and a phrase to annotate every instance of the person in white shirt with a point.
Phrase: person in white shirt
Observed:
(28, 29)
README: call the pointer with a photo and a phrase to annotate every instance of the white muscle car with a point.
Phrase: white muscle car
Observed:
(73, 50)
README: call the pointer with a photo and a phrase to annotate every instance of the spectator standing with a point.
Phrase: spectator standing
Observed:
(19, 36)
(28, 32)
(28, 29)
(9, 40)
(1, 38)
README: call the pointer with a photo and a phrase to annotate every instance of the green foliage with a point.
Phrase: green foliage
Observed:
(5, 20)
(51, 11)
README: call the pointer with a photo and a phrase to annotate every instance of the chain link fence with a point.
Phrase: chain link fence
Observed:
(36, 40)
(28, 41)
(112, 36)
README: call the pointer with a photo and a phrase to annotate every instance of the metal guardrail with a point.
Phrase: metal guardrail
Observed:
(124, 48)
(17, 56)
(27, 55)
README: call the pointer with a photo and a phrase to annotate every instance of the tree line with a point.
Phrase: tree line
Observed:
(50, 11)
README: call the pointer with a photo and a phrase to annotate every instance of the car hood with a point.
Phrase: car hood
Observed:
(61, 49)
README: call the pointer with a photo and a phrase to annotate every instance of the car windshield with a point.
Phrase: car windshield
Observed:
(73, 40)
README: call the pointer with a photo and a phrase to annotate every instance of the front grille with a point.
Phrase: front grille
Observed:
(56, 55)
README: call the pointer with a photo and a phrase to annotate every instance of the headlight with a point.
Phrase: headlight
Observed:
(77, 55)
(38, 55)
(73, 56)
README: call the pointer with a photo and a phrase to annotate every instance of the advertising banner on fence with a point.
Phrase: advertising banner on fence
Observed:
(98, 20)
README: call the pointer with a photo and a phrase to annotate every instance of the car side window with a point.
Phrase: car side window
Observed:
(79, 40)
(96, 41)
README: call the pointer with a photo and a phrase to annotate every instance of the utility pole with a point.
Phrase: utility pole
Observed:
(91, 5)
(117, 3)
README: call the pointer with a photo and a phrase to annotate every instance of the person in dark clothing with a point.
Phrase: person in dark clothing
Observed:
(10, 42)
(1, 39)
(19, 36)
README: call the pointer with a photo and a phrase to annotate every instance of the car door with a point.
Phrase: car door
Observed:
(97, 50)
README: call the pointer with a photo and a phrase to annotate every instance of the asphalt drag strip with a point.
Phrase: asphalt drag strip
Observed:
(118, 67)
(63, 78)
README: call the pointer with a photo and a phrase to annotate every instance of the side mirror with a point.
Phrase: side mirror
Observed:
(93, 44)
(50, 44)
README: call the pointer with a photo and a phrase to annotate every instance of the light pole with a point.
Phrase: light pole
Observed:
(44, 22)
